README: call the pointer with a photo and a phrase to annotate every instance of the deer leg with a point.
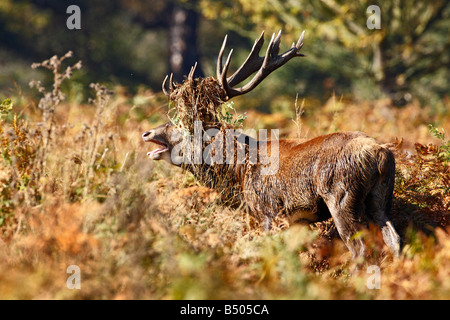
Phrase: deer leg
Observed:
(379, 209)
(391, 237)
(345, 209)
(267, 223)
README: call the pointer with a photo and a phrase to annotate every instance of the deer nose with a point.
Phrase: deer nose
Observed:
(146, 134)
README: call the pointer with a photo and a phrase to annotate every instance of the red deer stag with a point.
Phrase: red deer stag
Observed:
(345, 175)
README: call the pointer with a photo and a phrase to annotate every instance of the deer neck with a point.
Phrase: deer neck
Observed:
(219, 168)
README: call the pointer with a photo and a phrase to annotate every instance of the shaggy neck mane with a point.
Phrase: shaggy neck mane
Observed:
(227, 179)
(202, 100)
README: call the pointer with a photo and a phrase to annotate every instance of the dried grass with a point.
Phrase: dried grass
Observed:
(198, 99)
(146, 230)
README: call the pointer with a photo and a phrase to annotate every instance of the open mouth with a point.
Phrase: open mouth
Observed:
(163, 148)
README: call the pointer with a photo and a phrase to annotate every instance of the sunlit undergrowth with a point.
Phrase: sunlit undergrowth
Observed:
(44, 157)
(77, 189)
(423, 184)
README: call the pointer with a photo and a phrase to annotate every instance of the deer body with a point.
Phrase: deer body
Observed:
(345, 175)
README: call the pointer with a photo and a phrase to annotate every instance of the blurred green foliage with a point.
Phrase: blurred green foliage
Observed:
(407, 57)
(129, 43)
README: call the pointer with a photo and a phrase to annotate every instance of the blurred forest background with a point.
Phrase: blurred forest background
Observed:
(76, 186)
(135, 43)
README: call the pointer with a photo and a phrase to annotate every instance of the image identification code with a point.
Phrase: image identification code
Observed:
(233, 309)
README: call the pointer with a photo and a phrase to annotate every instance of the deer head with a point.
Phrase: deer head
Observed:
(217, 90)
(167, 136)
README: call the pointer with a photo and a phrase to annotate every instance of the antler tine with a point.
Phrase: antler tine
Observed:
(265, 68)
(299, 44)
(300, 40)
(171, 87)
(259, 75)
(171, 82)
(164, 86)
(263, 65)
(223, 75)
(276, 45)
(221, 71)
(219, 59)
(268, 55)
(250, 65)
(191, 73)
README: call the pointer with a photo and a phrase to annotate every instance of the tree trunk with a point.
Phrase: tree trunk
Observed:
(183, 51)
(386, 77)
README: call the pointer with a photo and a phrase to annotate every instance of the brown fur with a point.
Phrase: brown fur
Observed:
(346, 175)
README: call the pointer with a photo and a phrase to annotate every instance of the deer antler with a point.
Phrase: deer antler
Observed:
(191, 73)
(171, 87)
(263, 66)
